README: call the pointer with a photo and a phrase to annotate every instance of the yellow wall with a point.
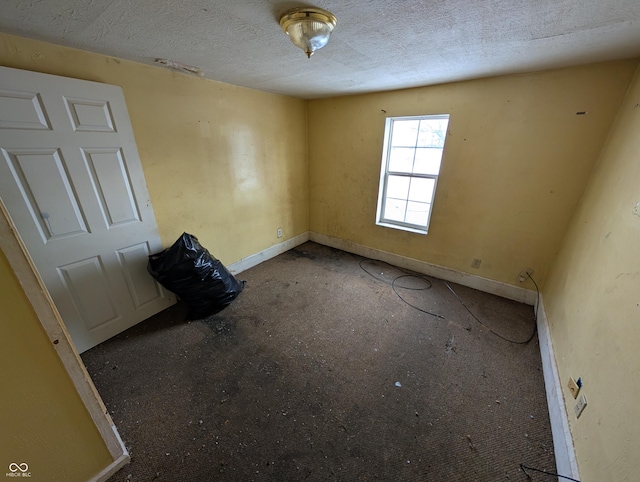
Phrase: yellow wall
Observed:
(515, 164)
(593, 305)
(225, 163)
(43, 422)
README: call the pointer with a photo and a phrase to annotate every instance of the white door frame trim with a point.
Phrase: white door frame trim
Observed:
(51, 321)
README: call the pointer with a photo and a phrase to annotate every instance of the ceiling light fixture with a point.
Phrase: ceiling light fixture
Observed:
(308, 28)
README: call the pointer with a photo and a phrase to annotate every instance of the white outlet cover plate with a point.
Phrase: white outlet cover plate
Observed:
(579, 408)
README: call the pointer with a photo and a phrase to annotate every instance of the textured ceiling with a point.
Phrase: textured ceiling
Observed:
(377, 45)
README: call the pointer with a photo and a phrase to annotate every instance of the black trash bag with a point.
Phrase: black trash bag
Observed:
(191, 272)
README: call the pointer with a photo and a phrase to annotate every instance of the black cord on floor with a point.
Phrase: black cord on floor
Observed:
(523, 467)
(393, 282)
(393, 285)
(408, 273)
(537, 295)
(424, 278)
(535, 325)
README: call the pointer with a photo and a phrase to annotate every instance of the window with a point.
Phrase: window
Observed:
(411, 159)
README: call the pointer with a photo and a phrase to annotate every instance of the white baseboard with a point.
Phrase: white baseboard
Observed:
(271, 252)
(566, 463)
(472, 281)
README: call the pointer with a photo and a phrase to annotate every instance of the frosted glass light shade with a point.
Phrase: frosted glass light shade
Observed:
(308, 28)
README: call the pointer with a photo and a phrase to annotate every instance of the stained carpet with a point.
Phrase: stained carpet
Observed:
(318, 371)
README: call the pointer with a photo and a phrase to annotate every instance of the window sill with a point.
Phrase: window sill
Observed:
(402, 227)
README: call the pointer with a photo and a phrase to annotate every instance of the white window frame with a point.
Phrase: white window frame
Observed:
(381, 220)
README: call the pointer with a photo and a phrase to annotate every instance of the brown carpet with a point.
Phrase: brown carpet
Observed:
(319, 371)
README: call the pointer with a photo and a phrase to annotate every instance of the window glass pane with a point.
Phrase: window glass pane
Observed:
(398, 187)
(417, 213)
(427, 160)
(421, 189)
(401, 159)
(394, 209)
(405, 133)
(432, 132)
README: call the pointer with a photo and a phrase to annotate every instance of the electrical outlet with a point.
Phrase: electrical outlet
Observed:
(279, 232)
(524, 275)
(579, 408)
(573, 387)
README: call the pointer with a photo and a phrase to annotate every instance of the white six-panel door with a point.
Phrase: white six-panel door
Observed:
(72, 181)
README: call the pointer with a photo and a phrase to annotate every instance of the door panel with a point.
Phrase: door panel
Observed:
(90, 116)
(112, 186)
(86, 283)
(133, 261)
(22, 110)
(42, 178)
(73, 183)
